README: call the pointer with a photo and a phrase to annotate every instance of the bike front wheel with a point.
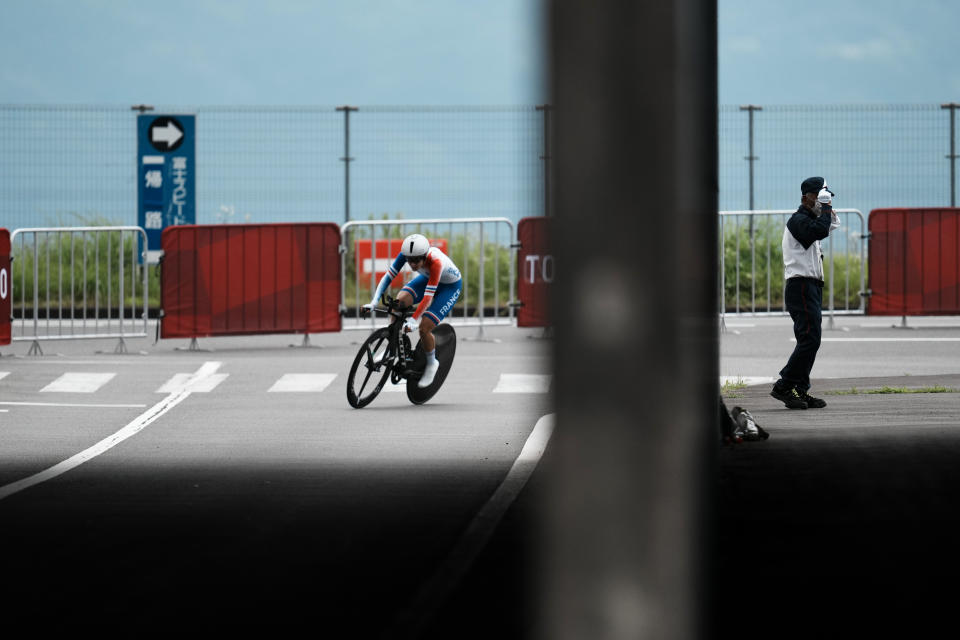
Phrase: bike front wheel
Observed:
(367, 378)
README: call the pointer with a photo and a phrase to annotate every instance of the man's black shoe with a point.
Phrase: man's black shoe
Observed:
(812, 403)
(790, 397)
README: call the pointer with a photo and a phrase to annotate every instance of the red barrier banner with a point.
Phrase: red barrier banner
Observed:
(6, 287)
(219, 280)
(534, 272)
(387, 250)
(914, 264)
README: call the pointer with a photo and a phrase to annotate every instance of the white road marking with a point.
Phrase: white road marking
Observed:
(888, 325)
(141, 422)
(523, 383)
(73, 404)
(477, 534)
(4, 374)
(748, 380)
(139, 361)
(196, 385)
(78, 382)
(389, 387)
(885, 340)
(302, 382)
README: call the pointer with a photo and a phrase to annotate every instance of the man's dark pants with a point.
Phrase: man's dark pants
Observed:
(803, 298)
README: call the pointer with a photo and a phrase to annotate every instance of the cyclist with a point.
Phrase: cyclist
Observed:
(436, 288)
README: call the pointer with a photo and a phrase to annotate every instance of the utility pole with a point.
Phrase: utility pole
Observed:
(750, 108)
(346, 160)
(546, 157)
(953, 106)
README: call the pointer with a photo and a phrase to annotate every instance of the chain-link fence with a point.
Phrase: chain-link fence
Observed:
(872, 156)
(76, 165)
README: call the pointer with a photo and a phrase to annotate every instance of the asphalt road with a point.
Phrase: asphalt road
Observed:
(845, 522)
(254, 498)
(236, 504)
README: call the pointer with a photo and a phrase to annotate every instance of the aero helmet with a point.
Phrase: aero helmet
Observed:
(415, 246)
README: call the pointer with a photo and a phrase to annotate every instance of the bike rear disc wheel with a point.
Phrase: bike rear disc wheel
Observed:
(364, 381)
(446, 345)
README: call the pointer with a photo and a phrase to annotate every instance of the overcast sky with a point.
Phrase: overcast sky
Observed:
(270, 52)
(839, 51)
(444, 52)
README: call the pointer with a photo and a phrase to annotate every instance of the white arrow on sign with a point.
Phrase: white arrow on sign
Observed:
(169, 134)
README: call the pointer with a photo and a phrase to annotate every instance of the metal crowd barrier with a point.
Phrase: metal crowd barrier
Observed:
(472, 243)
(74, 282)
(746, 236)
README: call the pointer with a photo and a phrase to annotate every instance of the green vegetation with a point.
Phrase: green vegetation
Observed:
(463, 248)
(768, 234)
(731, 388)
(853, 391)
(80, 271)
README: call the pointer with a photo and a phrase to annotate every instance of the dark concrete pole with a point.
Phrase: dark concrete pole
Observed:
(952, 106)
(346, 160)
(625, 525)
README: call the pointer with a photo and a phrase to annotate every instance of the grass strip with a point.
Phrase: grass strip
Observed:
(730, 388)
(853, 391)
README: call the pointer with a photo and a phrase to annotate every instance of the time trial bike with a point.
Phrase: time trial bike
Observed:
(388, 353)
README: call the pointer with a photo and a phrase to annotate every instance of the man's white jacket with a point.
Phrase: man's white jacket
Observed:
(805, 229)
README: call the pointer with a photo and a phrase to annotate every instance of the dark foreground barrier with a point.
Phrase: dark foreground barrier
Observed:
(6, 286)
(219, 280)
(535, 268)
(914, 262)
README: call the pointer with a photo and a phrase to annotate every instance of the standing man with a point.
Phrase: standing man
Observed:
(803, 273)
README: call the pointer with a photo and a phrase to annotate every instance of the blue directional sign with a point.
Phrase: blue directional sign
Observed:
(167, 175)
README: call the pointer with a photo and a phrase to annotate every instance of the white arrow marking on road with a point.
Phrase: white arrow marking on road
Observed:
(169, 134)
(140, 423)
(189, 382)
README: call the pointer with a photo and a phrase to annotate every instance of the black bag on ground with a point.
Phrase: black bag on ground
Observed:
(746, 426)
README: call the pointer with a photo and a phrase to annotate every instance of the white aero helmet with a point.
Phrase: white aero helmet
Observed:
(415, 246)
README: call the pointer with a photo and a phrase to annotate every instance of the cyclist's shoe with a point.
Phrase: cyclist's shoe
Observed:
(812, 403)
(790, 397)
(428, 373)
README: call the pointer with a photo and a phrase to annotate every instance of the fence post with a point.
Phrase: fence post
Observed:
(833, 290)
(750, 108)
(35, 349)
(952, 106)
(546, 157)
(346, 160)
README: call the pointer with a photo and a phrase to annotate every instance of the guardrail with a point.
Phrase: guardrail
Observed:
(74, 282)
(914, 262)
(4, 287)
(481, 247)
(749, 237)
(536, 266)
(247, 279)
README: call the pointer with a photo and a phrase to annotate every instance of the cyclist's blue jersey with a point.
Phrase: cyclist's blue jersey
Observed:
(437, 267)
